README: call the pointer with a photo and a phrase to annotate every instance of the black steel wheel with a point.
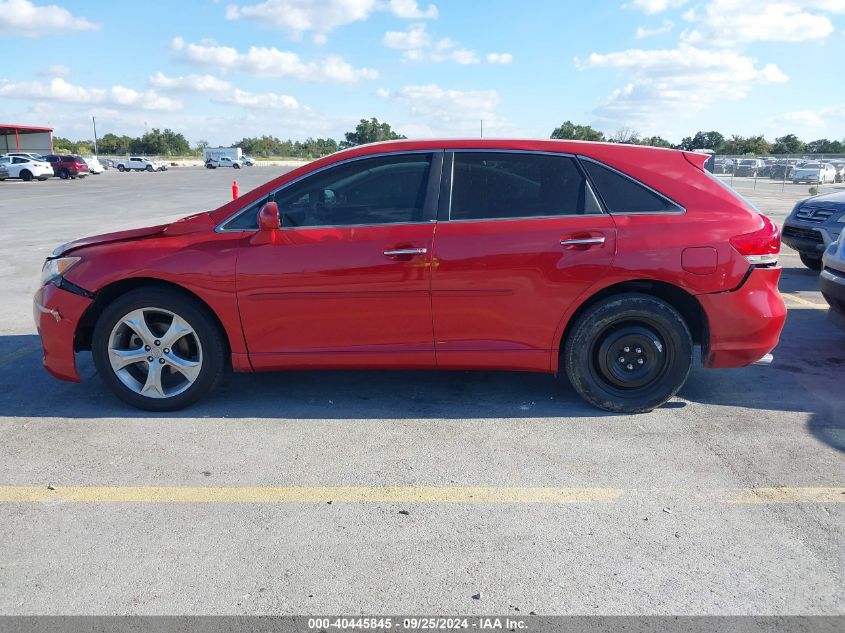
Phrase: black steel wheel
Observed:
(628, 353)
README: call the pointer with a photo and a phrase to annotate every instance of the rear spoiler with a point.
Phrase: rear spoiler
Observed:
(698, 159)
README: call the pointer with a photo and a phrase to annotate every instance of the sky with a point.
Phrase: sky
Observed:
(219, 70)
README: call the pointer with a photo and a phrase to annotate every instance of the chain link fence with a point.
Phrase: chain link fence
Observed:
(824, 172)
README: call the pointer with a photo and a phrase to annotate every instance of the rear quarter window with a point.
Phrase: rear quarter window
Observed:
(622, 194)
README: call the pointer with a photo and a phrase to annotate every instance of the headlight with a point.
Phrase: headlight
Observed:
(55, 268)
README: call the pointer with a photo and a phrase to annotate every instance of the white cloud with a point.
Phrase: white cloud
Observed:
(665, 27)
(410, 9)
(260, 100)
(650, 7)
(802, 118)
(735, 22)
(22, 17)
(57, 70)
(418, 45)
(296, 17)
(60, 90)
(270, 62)
(320, 17)
(807, 123)
(440, 112)
(188, 83)
(675, 84)
(414, 37)
(499, 58)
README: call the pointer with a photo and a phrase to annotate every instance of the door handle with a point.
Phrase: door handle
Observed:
(405, 251)
(583, 241)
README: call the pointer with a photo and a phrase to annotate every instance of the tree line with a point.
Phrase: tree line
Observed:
(734, 145)
(169, 143)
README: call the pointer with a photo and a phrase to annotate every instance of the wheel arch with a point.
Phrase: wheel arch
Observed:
(686, 304)
(107, 294)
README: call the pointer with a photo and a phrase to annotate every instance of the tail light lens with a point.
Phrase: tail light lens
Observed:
(760, 247)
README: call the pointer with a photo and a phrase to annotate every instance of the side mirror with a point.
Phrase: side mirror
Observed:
(268, 217)
(269, 225)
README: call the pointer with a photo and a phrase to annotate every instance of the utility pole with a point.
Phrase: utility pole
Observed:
(94, 120)
(482, 128)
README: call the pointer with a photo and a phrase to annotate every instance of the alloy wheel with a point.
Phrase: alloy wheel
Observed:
(155, 352)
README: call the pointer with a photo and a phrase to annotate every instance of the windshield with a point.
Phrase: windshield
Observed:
(748, 162)
(811, 166)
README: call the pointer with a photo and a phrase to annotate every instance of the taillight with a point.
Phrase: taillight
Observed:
(759, 247)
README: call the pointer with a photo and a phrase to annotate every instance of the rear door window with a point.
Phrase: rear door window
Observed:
(622, 194)
(501, 185)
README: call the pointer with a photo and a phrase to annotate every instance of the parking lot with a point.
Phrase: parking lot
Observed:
(417, 492)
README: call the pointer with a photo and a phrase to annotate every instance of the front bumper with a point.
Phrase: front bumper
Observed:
(744, 324)
(57, 313)
(807, 237)
(832, 286)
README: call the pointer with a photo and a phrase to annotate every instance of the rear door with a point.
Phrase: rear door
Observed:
(520, 237)
(348, 281)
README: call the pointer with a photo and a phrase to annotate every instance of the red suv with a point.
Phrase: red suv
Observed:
(67, 166)
(605, 262)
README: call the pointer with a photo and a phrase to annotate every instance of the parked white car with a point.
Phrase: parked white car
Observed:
(248, 161)
(26, 168)
(814, 172)
(31, 155)
(222, 161)
(94, 165)
(139, 163)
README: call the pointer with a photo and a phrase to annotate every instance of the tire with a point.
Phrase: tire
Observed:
(813, 263)
(236, 166)
(150, 168)
(174, 390)
(26, 175)
(42, 178)
(602, 348)
(794, 182)
(64, 174)
(121, 168)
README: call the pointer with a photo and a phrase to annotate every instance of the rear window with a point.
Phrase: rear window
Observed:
(621, 194)
(500, 185)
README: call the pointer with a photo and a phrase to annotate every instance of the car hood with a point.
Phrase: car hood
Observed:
(191, 224)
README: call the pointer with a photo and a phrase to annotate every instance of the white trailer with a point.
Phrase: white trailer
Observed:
(216, 153)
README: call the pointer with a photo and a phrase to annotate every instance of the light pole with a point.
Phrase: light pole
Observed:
(94, 121)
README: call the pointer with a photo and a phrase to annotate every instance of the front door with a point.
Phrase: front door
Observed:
(522, 237)
(348, 283)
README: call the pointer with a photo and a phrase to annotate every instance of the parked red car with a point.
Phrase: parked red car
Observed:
(605, 262)
(67, 166)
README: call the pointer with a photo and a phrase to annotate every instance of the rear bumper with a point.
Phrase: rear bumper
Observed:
(832, 285)
(57, 313)
(744, 324)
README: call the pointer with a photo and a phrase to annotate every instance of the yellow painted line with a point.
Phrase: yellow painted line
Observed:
(786, 495)
(17, 354)
(84, 494)
(395, 494)
(803, 302)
